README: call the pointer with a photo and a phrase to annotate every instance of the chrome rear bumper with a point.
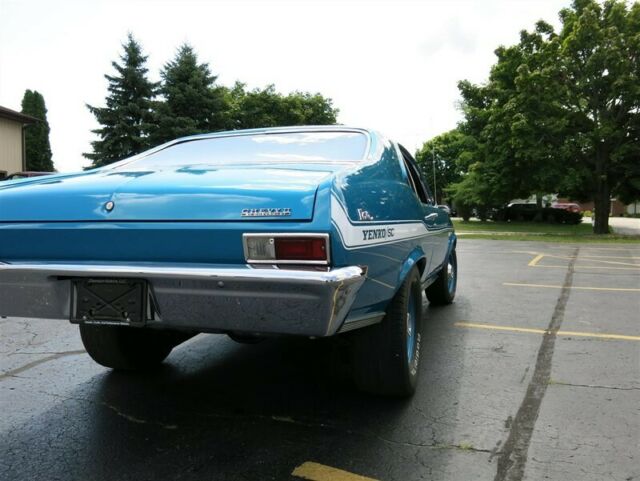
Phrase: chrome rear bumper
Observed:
(197, 297)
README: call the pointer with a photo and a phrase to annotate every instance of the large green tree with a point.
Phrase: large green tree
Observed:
(126, 119)
(192, 102)
(598, 79)
(449, 153)
(559, 112)
(518, 126)
(37, 147)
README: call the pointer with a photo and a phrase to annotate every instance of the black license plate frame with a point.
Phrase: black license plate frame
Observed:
(118, 301)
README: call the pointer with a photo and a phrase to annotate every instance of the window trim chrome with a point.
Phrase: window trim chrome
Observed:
(244, 133)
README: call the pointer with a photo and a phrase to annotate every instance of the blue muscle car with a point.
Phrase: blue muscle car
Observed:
(309, 231)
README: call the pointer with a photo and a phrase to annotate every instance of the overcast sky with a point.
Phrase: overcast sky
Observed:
(390, 65)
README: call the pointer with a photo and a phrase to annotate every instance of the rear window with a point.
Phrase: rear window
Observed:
(291, 147)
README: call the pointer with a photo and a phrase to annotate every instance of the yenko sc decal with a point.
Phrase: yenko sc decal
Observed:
(373, 234)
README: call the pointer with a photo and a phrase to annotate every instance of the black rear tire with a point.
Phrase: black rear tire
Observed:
(443, 290)
(129, 348)
(386, 358)
(246, 338)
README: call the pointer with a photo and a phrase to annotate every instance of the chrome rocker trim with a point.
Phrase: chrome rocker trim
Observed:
(206, 298)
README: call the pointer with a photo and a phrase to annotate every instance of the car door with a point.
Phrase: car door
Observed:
(435, 219)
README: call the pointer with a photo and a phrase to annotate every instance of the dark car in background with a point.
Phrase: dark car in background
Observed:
(526, 212)
(520, 212)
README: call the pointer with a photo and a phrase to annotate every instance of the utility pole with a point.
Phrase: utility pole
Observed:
(435, 191)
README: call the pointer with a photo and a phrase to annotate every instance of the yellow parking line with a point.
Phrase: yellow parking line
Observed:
(547, 286)
(598, 259)
(590, 248)
(609, 257)
(579, 266)
(597, 335)
(614, 262)
(319, 472)
(535, 260)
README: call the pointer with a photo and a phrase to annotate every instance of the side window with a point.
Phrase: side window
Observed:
(415, 179)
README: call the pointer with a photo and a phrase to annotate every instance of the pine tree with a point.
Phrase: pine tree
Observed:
(127, 118)
(192, 102)
(37, 147)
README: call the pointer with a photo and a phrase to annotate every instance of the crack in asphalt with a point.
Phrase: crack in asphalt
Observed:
(595, 386)
(134, 419)
(112, 407)
(513, 458)
(37, 362)
(433, 444)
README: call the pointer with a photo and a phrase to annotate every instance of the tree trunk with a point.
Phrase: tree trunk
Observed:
(538, 216)
(539, 201)
(602, 205)
(602, 198)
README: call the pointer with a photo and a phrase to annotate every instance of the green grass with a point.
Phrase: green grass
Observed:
(527, 231)
(520, 227)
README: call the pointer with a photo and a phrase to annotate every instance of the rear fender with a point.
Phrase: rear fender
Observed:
(418, 258)
(453, 241)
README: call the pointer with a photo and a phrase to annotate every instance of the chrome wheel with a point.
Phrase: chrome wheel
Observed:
(411, 329)
(452, 274)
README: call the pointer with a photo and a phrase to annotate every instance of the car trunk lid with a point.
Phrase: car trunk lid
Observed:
(187, 193)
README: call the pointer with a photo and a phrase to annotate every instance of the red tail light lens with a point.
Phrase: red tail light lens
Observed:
(301, 249)
(286, 248)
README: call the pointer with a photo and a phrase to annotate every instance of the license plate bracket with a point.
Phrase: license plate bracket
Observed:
(109, 301)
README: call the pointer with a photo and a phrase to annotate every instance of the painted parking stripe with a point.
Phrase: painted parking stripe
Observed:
(534, 262)
(597, 335)
(319, 472)
(548, 286)
(581, 256)
(591, 248)
(610, 257)
(578, 267)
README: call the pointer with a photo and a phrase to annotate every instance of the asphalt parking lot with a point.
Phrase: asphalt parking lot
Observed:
(533, 373)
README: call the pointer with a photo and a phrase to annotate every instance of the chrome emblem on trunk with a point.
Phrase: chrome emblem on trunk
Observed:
(267, 212)
(109, 206)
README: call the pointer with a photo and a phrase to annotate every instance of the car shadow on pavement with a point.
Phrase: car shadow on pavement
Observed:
(219, 410)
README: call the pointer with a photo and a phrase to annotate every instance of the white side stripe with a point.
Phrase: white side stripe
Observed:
(372, 234)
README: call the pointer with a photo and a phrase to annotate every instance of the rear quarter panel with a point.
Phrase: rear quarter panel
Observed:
(377, 222)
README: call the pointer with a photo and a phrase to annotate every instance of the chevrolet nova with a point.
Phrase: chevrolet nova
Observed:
(308, 231)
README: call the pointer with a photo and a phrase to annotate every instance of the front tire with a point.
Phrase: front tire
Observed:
(443, 290)
(387, 355)
(128, 348)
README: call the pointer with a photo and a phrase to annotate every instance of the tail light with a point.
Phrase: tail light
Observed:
(286, 248)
